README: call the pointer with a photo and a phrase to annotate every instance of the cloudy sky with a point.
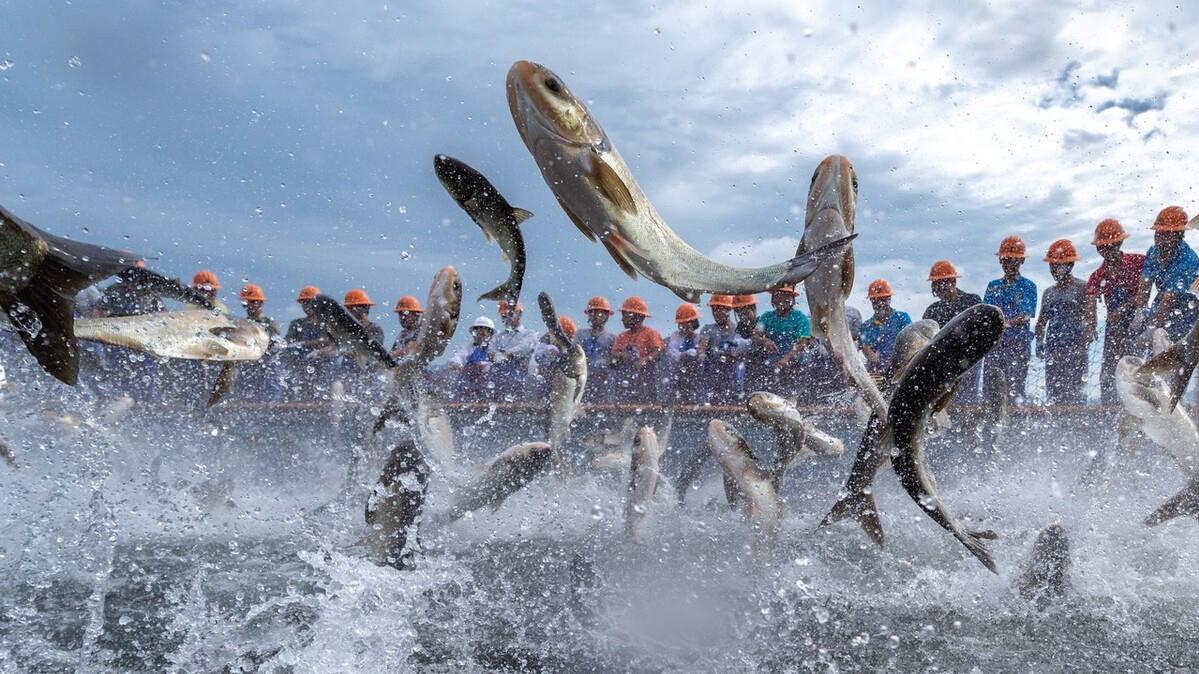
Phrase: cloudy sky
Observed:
(291, 143)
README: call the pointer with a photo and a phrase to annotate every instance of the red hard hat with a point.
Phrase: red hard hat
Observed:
(942, 270)
(252, 293)
(686, 313)
(878, 289)
(1171, 219)
(725, 301)
(1108, 232)
(788, 288)
(408, 303)
(635, 305)
(205, 278)
(598, 303)
(744, 301)
(358, 298)
(307, 293)
(1061, 252)
(568, 326)
(1012, 247)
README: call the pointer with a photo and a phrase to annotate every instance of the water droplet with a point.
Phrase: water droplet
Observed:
(205, 57)
(657, 31)
(404, 255)
(74, 62)
(403, 210)
(258, 211)
(808, 32)
(6, 64)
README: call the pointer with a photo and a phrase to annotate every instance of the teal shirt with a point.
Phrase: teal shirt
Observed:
(784, 332)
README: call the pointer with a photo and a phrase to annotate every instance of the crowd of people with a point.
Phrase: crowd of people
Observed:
(738, 351)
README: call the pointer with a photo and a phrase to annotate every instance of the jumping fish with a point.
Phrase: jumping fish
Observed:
(873, 454)
(192, 334)
(611, 450)
(830, 212)
(928, 379)
(493, 214)
(1185, 502)
(505, 475)
(40, 274)
(597, 191)
(755, 486)
(152, 283)
(643, 479)
(347, 333)
(394, 508)
(569, 379)
(1047, 575)
(6, 454)
(797, 437)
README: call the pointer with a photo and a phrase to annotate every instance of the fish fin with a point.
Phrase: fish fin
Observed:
(609, 184)
(165, 287)
(46, 322)
(861, 507)
(985, 534)
(847, 274)
(504, 291)
(503, 256)
(1171, 367)
(520, 214)
(223, 384)
(692, 296)
(1194, 289)
(804, 263)
(1185, 502)
(577, 222)
(1193, 223)
(845, 352)
(619, 256)
(974, 544)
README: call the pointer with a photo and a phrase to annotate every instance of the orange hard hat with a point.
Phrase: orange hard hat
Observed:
(1108, 232)
(568, 326)
(635, 305)
(744, 301)
(504, 306)
(725, 301)
(878, 289)
(307, 293)
(408, 303)
(788, 288)
(358, 298)
(942, 270)
(598, 303)
(686, 313)
(1012, 247)
(205, 278)
(1171, 219)
(1061, 252)
(252, 293)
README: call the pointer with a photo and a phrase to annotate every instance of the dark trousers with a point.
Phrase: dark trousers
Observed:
(1117, 343)
(1010, 356)
(1066, 373)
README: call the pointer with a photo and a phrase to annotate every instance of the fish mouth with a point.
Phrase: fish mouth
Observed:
(543, 108)
(834, 188)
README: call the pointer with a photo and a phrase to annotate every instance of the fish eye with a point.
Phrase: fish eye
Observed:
(553, 85)
(816, 173)
(854, 175)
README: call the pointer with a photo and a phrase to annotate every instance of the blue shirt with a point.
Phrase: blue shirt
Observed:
(1016, 299)
(1175, 277)
(881, 336)
(784, 332)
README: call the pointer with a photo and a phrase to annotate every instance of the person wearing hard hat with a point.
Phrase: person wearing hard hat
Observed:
(719, 353)
(754, 350)
(784, 333)
(207, 284)
(408, 311)
(253, 299)
(511, 350)
(1171, 267)
(1115, 282)
(880, 331)
(1016, 296)
(951, 301)
(1062, 332)
(597, 344)
(259, 378)
(127, 297)
(306, 334)
(635, 354)
(304, 347)
(682, 351)
(359, 304)
(473, 362)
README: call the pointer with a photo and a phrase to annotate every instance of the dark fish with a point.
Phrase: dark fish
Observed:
(1047, 575)
(40, 274)
(493, 214)
(347, 332)
(930, 377)
(394, 508)
(1185, 502)
(163, 287)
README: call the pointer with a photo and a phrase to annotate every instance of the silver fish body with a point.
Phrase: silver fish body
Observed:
(797, 437)
(755, 486)
(643, 479)
(193, 334)
(504, 475)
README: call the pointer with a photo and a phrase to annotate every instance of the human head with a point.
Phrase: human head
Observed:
(409, 310)
(206, 283)
(1168, 230)
(746, 309)
(307, 293)
(598, 312)
(687, 318)
(633, 312)
(944, 279)
(252, 298)
(879, 294)
(510, 313)
(1061, 258)
(1012, 253)
(359, 304)
(482, 330)
(722, 308)
(1109, 237)
(782, 298)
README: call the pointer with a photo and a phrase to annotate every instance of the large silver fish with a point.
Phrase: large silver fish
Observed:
(40, 274)
(1046, 577)
(393, 511)
(857, 497)
(505, 475)
(568, 379)
(192, 334)
(928, 379)
(755, 486)
(797, 437)
(643, 479)
(831, 205)
(498, 219)
(597, 191)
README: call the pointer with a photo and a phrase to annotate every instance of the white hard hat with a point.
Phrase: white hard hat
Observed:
(483, 322)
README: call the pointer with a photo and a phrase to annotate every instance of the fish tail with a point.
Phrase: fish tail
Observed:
(223, 384)
(508, 290)
(973, 542)
(800, 267)
(43, 312)
(1185, 502)
(861, 507)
